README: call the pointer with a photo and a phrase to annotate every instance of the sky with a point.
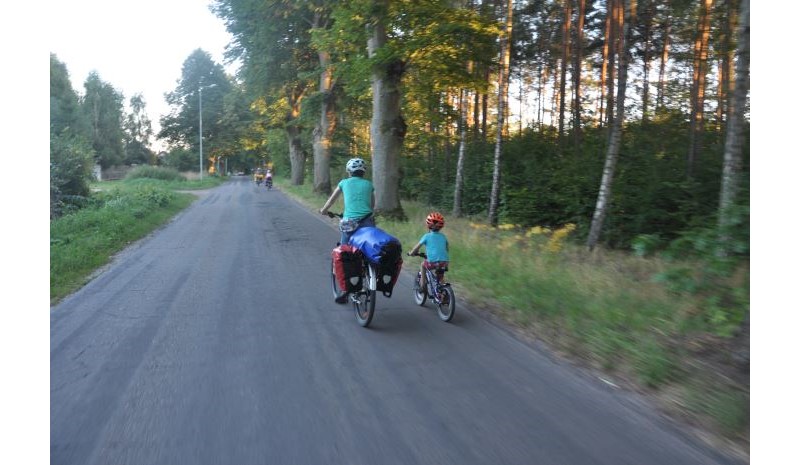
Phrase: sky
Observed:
(136, 46)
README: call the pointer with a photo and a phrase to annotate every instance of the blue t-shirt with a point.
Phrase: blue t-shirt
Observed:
(357, 197)
(435, 246)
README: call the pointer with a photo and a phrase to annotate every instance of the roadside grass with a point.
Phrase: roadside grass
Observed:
(603, 307)
(120, 212)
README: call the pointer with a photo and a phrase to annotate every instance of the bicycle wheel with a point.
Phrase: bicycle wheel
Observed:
(364, 301)
(338, 294)
(446, 307)
(420, 295)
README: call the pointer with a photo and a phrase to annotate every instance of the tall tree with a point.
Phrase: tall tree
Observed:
(576, 73)
(646, 31)
(326, 124)
(71, 153)
(388, 127)
(138, 132)
(182, 125)
(700, 69)
(662, 68)
(463, 103)
(565, 58)
(732, 165)
(102, 105)
(502, 95)
(627, 15)
(272, 38)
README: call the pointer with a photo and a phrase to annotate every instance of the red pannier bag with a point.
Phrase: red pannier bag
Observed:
(348, 265)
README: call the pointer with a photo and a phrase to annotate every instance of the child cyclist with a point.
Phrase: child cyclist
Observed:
(436, 246)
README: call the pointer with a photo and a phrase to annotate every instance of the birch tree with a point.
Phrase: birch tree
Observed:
(615, 142)
(502, 94)
(732, 164)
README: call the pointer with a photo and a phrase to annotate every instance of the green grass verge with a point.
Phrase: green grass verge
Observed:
(603, 307)
(120, 213)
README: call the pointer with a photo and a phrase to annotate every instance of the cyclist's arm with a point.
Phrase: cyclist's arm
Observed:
(331, 199)
(415, 249)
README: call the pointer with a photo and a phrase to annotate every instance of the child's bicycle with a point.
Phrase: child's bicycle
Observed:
(440, 293)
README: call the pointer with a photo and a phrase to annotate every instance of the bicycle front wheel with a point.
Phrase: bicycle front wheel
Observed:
(446, 307)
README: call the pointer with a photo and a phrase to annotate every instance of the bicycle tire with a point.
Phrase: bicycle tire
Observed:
(446, 310)
(420, 293)
(364, 301)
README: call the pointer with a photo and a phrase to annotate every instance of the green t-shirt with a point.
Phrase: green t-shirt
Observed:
(357, 197)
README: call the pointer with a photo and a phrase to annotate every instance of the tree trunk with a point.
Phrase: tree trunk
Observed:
(565, 55)
(648, 25)
(726, 71)
(698, 86)
(462, 154)
(732, 164)
(604, 68)
(388, 129)
(297, 156)
(615, 141)
(323, 132)
(502, 94)
(612, 53)
(576, 70)
(662, 70)
(476, 115)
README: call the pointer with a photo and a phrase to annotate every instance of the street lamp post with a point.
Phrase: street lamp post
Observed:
(201, 126)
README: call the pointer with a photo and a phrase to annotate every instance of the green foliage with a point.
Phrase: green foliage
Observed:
(181, 159)
(82, 241)
(654, 364)
(155, 172)
(182, 126)
(71, 161)
(102, 107)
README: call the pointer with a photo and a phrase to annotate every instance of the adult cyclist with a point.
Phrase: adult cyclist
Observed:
(359, 199)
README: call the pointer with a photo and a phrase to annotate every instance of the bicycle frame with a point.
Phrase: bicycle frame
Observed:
(434, 283)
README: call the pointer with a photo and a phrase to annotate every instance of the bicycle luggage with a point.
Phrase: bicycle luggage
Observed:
(389, 266)
(348, 267)
(382, 249)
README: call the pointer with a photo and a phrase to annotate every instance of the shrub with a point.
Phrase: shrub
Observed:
(155, 172)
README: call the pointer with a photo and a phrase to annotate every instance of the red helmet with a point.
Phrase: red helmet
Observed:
(435, 220)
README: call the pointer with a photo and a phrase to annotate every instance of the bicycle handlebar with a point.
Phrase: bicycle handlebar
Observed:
(418, 254)
(334, 215)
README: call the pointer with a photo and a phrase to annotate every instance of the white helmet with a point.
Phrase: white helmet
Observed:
(356, 164)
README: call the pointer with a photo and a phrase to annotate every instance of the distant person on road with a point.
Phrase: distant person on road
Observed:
(436, 246)
(268, 178)
(359, 199)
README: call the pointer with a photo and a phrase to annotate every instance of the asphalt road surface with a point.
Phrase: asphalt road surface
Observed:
(217, 341)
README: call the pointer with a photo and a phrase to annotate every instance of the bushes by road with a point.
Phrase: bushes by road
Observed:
(86, 239)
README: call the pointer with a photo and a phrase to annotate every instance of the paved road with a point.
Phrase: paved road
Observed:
(216, 341)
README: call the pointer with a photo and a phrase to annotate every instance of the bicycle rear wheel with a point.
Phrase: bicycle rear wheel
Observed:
(446, 307)
(364, 306)
(364, 301)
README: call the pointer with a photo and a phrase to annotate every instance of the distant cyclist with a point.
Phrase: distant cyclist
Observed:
(268, 178)
(359, 199)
